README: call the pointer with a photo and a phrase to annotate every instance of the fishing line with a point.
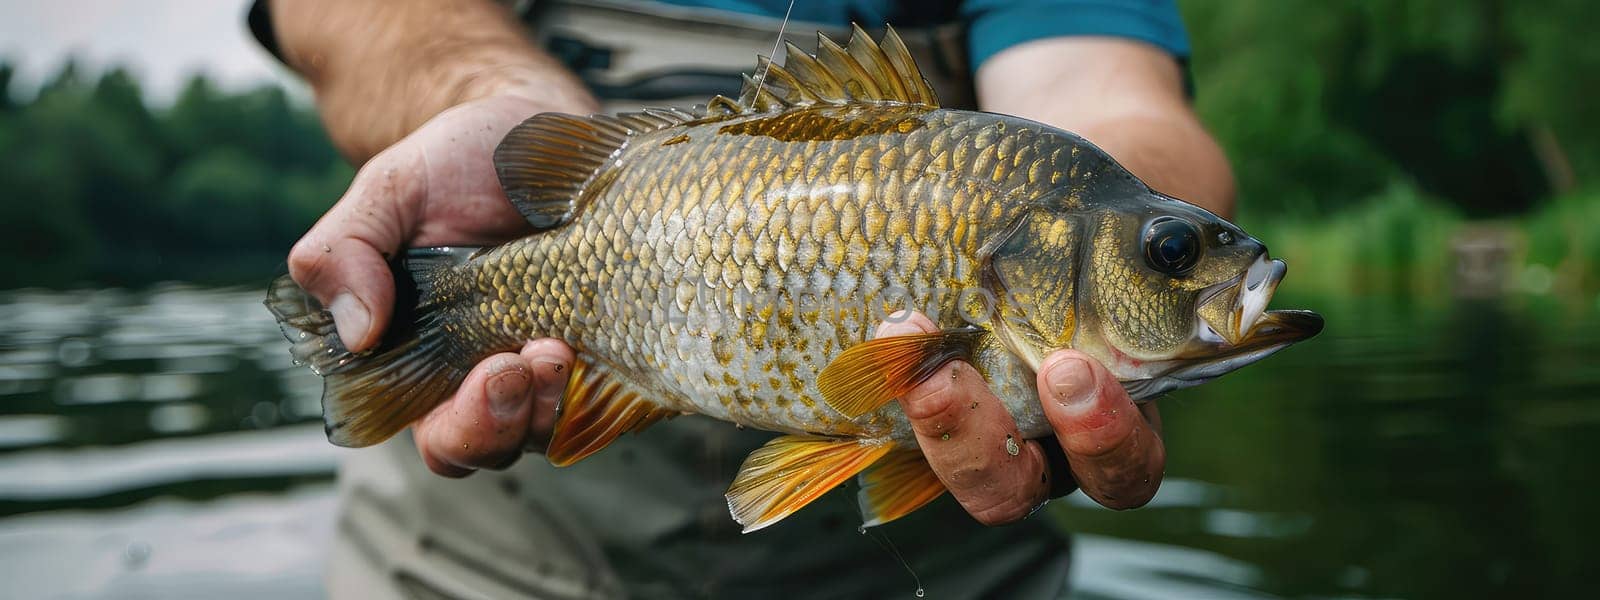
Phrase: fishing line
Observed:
(885, 544)
(773, 55)
(888, 545)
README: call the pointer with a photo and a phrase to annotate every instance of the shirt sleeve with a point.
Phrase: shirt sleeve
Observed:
(260, 21)
(995, 25)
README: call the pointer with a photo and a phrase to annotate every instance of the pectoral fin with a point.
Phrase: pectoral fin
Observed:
(791, 471)
(596, 409)
(895, 486)
(868, 375)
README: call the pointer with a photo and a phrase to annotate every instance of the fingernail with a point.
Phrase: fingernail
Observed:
(1071, 382)
(508, 392)
(350, 318)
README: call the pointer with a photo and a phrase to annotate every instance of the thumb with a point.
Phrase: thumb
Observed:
(341, 260)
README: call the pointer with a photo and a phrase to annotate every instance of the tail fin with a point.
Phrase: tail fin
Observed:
(368, 397)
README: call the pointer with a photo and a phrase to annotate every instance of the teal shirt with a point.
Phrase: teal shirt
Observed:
(993, 25)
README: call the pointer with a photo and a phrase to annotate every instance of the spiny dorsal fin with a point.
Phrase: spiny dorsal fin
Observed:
(861, 71)
(597, 408)
(547, 161)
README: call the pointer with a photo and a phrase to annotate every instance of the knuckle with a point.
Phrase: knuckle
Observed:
(305, 260)
(937, 397)
(1125, 489)
(977, 471)
(1126, 501)
(439, 466)
(1009, 509)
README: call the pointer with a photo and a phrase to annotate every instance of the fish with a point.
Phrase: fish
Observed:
(733, 260)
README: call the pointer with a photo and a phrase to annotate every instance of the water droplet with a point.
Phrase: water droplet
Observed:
(921, 592)
(264, 414)
(74, 352)
(136, 555)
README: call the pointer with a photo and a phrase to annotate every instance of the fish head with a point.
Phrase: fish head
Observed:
(1164, 293)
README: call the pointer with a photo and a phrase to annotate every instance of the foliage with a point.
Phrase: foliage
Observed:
(100, 187)
(1484, 103)
(1401, 245)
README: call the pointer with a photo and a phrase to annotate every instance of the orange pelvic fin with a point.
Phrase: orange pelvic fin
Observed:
(895, 486)
(791, 471)
(596, 409)
(868, 375)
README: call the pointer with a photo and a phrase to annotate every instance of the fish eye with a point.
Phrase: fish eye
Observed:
(1171, 245)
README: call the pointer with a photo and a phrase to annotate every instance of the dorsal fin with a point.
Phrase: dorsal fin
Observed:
(547, 162)
(861, 71)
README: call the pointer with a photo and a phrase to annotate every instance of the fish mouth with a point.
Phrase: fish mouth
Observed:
(1234, 329)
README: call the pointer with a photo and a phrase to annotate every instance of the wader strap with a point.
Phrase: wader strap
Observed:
(635, 54)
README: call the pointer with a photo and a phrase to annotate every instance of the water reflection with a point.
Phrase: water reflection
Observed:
(1422, 451)
(124, 367)
(1416, 449)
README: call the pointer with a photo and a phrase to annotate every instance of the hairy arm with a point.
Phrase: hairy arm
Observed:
(1125, 96)
(382, 68)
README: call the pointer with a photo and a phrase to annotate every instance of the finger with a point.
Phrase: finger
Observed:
(970, 440)
(342, 260)
(552, 365)
(485, 424)
(1116, 456)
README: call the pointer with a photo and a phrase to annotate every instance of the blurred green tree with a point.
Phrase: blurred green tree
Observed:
(1322, 103)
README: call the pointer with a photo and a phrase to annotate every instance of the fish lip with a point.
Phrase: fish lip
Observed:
(1250, 333)
(1253, 332)
(1274, 330)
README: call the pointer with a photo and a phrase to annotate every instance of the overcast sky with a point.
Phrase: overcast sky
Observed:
(163, 41)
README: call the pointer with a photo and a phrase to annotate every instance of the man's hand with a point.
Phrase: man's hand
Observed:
(437, 186)
(421, 91)
(1116, 455)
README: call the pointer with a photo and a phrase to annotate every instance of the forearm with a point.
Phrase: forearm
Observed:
(381, 68)
(1124, 96)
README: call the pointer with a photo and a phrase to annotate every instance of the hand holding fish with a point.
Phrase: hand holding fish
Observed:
(437, 185)
(970, 440)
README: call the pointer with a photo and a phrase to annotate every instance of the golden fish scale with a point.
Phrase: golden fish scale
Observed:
(726, 263)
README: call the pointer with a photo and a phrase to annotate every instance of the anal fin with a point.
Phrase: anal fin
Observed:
(895, 486)
(790, 472)
(594, 411)
(868, 375)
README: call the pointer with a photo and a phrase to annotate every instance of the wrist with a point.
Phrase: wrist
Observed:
(546, 88)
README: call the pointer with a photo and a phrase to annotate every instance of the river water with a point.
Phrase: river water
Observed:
(159, 444)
